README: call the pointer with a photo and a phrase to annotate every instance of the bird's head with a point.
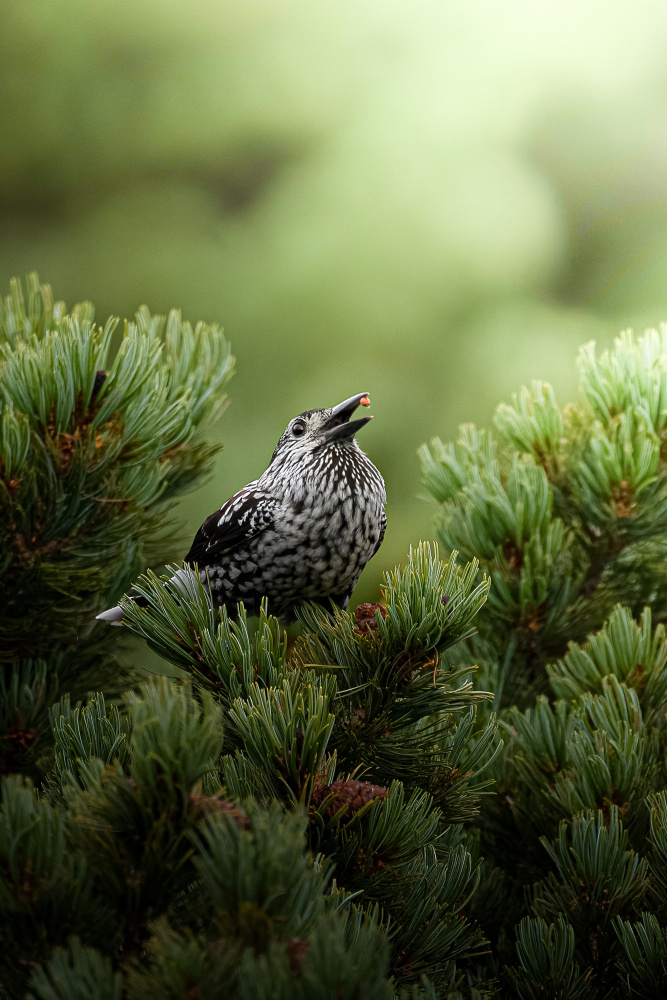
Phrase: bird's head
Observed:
(318, 429)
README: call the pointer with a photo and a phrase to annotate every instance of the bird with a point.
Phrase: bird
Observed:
(302, 531)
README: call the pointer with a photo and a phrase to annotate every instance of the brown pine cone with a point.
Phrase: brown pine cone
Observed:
(207, 805)
(365, 618)
(352, 794)
(20, 737)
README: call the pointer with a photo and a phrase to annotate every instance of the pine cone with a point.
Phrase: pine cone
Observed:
(365, 618)
(20, 737)
(352, 794)
(207, 805)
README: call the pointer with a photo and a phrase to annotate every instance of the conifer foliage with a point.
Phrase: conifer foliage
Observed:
(99, 430)
(567, 512)
(458, 792)
(268, 825)
(285, 827)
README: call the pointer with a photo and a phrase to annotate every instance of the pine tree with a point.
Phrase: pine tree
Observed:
(268, 825)
(90, 461)
(342, 816)
(567, 512)
(232, 828)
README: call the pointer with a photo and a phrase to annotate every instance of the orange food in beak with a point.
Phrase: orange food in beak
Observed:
(365, 401)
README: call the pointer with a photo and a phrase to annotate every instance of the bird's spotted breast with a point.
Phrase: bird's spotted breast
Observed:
(309, 527)
(304, 530)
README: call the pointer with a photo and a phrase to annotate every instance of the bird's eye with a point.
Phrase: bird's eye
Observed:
(298, 429)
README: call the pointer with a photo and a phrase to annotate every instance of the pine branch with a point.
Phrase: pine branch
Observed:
(94, 441)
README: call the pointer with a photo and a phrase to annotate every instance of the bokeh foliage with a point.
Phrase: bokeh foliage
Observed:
(370, 196)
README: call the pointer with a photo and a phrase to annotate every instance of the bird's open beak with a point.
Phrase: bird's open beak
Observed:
(339, 426)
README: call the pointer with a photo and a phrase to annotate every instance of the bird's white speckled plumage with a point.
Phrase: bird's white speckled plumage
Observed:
(310, 524)
(304, 530)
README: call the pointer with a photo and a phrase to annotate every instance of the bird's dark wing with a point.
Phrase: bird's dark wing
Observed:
(245, 514)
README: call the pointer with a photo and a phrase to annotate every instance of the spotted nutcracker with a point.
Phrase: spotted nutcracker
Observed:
(304, 530)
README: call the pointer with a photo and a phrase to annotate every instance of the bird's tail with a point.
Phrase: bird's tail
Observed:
(112, 616)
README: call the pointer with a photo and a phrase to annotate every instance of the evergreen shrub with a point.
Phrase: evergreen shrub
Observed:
(457, 792)
(566, 510)
(90, 462)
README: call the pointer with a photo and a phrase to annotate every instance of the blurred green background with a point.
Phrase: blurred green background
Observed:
(431, 201)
